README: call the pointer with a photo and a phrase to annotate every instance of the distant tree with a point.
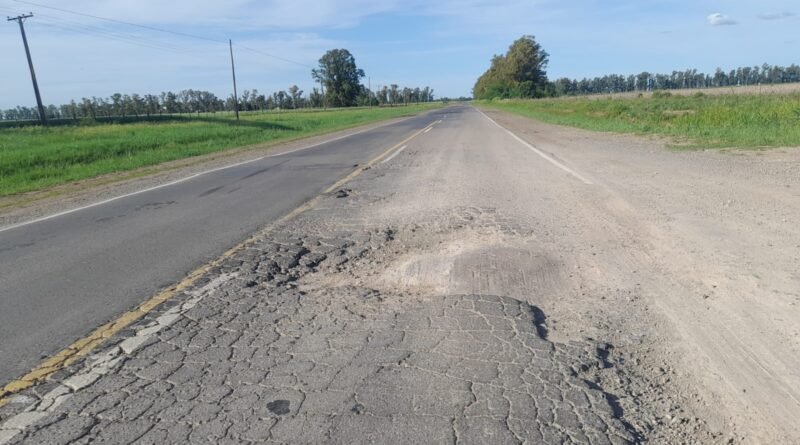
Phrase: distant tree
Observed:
(151, 104)
(406, 94)
(394, 94)
(366, 98)
(429, 94)
(171, 104)
(315, 98)
(518, 73)
(341, 77)
(137, 104)
(126, 106)
(261, 102)
(116, 101)
(230, 102)
(384, 96)
(296, 96)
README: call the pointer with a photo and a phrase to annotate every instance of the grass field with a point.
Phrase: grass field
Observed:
(33, 157)
(750, 121)
(779, 88)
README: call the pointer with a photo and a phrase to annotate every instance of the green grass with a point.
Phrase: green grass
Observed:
(34, 157)
(693, 122)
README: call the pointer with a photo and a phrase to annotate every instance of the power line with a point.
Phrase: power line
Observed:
(122, 22)
(65, 24)
(153, 28)
(263, 53)
(105, 32)
(68, 28)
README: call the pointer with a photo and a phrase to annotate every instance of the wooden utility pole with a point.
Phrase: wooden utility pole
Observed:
(322, 87)
(235, 94)
(21, 20)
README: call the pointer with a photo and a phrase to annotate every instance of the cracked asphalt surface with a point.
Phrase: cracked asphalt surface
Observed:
(260, 360)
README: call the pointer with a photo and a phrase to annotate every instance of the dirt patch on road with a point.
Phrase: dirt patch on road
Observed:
(700, 251)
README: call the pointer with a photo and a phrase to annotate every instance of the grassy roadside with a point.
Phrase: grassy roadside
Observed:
(34, 158)
(749, 121)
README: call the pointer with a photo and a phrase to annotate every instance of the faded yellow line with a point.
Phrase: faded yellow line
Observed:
(87, 344)
(369, 165)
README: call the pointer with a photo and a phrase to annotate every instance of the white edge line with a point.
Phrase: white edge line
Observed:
(394, 154)
(190, 177)
(537, 151)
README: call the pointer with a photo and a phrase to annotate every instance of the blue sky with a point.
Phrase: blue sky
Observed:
(445, 44)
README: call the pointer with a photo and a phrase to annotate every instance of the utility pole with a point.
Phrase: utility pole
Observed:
(21, 19)
(369, 82)
(322, 87)
(235, 94)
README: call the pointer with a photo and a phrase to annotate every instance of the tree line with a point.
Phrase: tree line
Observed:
(521, 73)
(614, 83)
(197, 101)
(337, 74)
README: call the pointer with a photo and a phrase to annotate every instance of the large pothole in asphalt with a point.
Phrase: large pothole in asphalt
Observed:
(478, 266)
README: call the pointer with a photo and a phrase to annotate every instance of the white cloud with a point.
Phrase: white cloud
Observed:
(719, 19)
(776, 15)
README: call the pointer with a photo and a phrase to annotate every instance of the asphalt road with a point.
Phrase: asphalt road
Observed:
(63, 277)
(415, 290)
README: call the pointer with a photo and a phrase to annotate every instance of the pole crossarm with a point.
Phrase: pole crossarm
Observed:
(20, 17)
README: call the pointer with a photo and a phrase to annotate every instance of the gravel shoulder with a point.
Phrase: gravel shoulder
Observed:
(709, 239)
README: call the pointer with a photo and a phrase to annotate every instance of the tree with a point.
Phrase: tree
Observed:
(341, 77)
(150, 104)
(315, 98)
(383, 96)
(518, 73)
(170, 102)
(137, 104)
(296, 95)
(394, 94)
(116, 100)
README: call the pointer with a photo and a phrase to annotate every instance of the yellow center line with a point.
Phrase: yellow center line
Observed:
(87, 344)
(368, 165)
